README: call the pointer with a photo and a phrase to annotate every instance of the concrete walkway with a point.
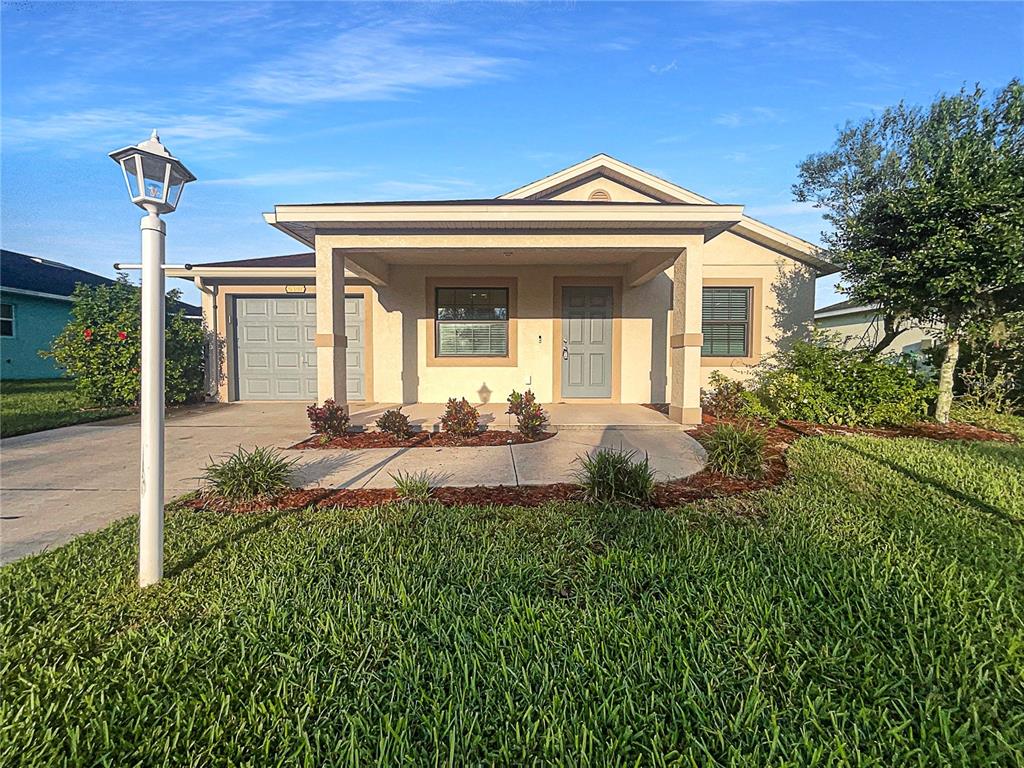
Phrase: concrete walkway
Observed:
(57, 484)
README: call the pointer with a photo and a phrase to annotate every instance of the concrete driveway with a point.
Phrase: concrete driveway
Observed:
(57, 484)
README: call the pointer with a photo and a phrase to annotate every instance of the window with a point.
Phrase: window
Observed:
(600, 194)
(6, 319)
(726, 322)
(471, 322)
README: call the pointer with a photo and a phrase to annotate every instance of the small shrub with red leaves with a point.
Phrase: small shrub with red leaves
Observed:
(529, 415)
(460, 418)
(328, 420)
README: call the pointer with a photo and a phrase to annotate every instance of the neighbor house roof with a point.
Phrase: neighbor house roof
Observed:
(21, 272)
(36, 276)
(848, 307)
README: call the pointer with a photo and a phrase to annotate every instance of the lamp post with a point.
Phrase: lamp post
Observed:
(155, 179)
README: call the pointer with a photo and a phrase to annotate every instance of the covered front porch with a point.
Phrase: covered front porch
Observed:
(640, 266)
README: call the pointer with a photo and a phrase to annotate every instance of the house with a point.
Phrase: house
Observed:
(35, 305)
(858, 325)
(600, 283)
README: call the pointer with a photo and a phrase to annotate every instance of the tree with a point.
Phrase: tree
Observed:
(927, 215)
(101, 346)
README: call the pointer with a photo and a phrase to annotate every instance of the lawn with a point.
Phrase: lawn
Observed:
(869, 612)
(31, 406)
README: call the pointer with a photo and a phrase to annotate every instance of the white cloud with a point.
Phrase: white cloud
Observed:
(288, 177)
(372, 62)
(751, 116)
(654, 69)
(106, 127)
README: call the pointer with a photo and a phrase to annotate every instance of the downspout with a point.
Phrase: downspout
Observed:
(213, 349)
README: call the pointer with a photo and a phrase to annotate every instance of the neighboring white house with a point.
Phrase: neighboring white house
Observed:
(859, 325)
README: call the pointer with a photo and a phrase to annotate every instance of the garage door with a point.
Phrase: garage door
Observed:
(275, 348)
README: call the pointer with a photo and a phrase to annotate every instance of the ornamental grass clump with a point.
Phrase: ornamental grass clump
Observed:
(530, 416)
(736, 450)
(394, 422)
(329, 420)
(615, 476)
(247, 475)
(460, 418)
(411, 487)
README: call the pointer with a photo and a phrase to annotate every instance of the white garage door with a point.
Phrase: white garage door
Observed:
(275, 348)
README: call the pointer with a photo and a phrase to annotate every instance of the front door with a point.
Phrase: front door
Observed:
(586, 341)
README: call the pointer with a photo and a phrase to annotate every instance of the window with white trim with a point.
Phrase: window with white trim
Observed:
(471, 322)
(726, 321)
(6, 320)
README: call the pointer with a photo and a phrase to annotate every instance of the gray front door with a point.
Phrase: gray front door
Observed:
(586, 341)
(275, 348)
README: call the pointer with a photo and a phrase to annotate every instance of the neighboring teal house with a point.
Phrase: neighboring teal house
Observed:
(35, 305)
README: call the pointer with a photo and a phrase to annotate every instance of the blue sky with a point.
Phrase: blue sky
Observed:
(307, 102)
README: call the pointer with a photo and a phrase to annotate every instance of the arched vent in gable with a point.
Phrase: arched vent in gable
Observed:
(600, 194)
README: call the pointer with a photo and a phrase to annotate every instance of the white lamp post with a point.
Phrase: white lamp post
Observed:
(155, 179)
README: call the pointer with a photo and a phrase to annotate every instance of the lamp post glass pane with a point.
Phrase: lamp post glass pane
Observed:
(154, 172)
(130, 165)
(177, 181)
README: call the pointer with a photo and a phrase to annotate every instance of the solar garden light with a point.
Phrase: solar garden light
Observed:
(155, 179)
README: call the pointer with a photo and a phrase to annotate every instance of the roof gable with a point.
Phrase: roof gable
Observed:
(606, 167)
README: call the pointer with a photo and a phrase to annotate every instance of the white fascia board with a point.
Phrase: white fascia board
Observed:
(666, 213)
(212, 272)
(38, 294)
(847, 311)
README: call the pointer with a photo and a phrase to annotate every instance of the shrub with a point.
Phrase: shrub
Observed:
(101, 346)
(394, 422)
(724, 399)
(411, 487)
(530, 417)
(831, 385)
(737, 451)
(460, 418)
(328, 420)
(247, 475)
(608, 475)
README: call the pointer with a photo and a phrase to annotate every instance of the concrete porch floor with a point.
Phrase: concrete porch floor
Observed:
(561, 416)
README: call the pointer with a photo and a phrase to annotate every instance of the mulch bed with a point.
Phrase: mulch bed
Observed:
(376, 439)
(706, 484)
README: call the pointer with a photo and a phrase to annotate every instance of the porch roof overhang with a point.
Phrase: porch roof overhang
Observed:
(378, 235)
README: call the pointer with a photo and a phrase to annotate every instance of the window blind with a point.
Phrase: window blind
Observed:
(472, 322)
(726, 322)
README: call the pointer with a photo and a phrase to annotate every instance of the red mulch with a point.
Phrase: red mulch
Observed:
(706, 484)
(925, 429)
(358, 440)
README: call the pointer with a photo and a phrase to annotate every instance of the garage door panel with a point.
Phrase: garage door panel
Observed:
(276, 348)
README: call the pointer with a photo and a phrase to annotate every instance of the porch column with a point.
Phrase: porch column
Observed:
(331, 376)
(687, 339)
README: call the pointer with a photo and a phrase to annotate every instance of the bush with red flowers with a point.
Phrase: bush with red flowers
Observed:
(101, 346)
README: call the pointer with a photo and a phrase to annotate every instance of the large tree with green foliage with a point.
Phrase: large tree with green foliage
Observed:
(927, 215)
(101, 346)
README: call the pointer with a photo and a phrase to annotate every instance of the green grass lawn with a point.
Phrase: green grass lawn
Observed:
(869, 612)
(31, 406)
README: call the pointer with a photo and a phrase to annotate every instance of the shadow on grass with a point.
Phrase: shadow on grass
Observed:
(189, 561)
(917, 477)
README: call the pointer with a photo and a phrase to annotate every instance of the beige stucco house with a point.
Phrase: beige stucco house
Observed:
(855, 325)
(598, 283)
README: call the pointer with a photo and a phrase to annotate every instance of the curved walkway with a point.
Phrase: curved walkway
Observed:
(57, 484)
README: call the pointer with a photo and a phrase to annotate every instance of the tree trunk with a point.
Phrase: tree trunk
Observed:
(892, 331)
(945, 398)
